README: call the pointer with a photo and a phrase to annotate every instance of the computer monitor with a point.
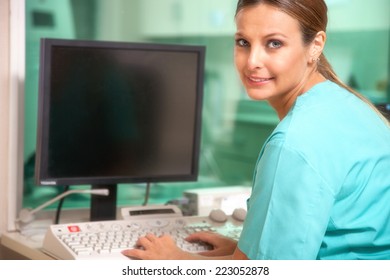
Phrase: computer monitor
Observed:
(118, 112)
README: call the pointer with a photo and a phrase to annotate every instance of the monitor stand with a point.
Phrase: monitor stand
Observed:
(103, 208)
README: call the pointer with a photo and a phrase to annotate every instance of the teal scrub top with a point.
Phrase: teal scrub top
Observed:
(322, 183)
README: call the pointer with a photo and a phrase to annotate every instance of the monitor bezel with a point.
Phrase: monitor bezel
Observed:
(41, 165)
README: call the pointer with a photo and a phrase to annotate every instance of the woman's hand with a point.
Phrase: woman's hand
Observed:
(222, 245)
(152, 247)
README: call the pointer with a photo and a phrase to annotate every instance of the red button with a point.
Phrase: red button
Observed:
(73, 228)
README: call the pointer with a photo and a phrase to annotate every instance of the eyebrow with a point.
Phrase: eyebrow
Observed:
(277, 34)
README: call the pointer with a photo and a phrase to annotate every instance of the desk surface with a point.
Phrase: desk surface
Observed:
(25, 246)
(29, 243)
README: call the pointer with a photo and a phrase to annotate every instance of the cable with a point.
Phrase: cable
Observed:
(147, 194)
(27, 215)
(59, 207)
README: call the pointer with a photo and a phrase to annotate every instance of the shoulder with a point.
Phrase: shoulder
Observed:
(324, 113)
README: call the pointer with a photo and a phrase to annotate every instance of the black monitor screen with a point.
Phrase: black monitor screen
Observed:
(115, 112)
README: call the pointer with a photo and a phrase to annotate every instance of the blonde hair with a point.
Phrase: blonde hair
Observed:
(312, 16)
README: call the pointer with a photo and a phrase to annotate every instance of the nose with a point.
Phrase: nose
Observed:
(256, 58)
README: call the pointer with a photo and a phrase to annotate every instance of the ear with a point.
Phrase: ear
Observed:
(317, 46)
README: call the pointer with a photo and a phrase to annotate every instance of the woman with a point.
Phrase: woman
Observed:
(322, 182)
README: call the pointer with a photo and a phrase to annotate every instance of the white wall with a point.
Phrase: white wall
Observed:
(4, 111)
(11, 109)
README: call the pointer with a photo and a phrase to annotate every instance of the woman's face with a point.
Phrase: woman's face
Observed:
(270, 57)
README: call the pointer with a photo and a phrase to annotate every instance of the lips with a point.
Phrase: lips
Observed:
(259, 80)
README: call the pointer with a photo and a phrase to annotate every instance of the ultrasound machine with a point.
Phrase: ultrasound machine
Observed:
(114, 113)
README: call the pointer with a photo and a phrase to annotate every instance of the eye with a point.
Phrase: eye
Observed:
(274, 44)
(242, 43)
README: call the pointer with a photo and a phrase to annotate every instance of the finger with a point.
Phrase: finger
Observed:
(211, 253)
(151, 237)
(144, 242)
(205, 236)
(134, 253)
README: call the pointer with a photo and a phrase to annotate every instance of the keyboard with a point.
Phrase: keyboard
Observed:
(107, 239)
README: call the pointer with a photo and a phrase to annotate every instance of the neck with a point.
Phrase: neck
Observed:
(282, 104)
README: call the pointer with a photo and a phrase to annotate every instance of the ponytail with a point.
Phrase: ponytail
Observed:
(326, 69)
